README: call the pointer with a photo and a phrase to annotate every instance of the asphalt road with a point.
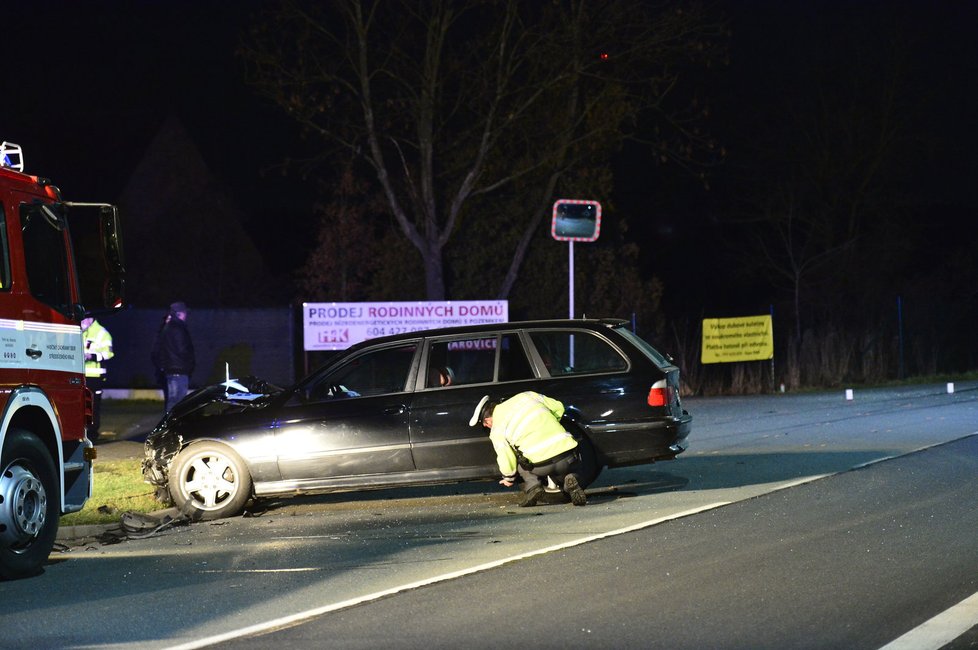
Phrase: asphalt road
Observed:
(791, 559)
(846, 562)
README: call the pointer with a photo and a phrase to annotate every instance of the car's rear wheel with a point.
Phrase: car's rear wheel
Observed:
(555, 494)
(208, 480)
(590, 461)
(28, 505)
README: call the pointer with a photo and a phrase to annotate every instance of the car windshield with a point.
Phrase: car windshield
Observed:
(373, 372)
(657, 357)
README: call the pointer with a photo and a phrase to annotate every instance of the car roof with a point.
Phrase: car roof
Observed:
(586, 323)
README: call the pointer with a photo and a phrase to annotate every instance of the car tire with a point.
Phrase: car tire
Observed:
(554, 494)
(29, 494)
(590, 460)
(208, 480)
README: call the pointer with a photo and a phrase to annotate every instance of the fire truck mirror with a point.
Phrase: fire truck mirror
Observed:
(112, 293)
(114, 285)
(97, 242)
(111, 239)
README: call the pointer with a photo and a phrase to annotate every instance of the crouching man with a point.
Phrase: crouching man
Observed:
(526, 433)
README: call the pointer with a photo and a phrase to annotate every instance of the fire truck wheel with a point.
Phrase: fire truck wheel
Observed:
(28, 505)
(208, 480)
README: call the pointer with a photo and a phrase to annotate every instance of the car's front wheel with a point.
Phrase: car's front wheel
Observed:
(208, 480)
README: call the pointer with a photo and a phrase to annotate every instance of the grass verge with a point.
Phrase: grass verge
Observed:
(118, 487)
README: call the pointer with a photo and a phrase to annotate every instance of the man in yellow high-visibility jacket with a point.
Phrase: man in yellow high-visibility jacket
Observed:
(526, 433)
(98, 348)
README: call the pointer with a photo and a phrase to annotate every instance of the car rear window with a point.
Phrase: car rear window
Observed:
(574, 352)
(657, 357)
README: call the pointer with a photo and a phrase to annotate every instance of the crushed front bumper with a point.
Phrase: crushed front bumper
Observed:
(158, 452)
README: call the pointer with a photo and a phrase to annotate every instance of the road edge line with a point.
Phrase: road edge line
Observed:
(298, 617)
(941, 629)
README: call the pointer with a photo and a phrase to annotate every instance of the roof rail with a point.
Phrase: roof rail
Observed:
(11, 156)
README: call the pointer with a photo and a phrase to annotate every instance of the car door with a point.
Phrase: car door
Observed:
(478, 365)
(351, 420)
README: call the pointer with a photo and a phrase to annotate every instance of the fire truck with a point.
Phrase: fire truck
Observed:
(51, 276)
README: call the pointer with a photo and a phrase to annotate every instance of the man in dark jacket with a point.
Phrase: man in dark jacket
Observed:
(173, 354)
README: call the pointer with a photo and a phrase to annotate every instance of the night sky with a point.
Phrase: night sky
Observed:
(95, 80)
(88, 83)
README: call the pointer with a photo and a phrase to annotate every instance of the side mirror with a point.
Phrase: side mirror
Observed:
(111, 239)
(576, 220)
(97, 243)
(113, 288)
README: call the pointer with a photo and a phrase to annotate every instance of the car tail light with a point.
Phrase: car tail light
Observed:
(661, 394)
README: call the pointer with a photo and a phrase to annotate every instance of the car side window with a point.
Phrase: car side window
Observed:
(513, 364)
(375, 372)
(463, 361)
(566, 352)
(439, 376)
(472, 361)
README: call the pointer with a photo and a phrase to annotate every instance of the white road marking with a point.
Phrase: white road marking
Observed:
(940, 630)
(325, 609)
(296, 570)
(964, 613)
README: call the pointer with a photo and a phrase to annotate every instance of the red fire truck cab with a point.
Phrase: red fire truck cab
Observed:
(50, 278)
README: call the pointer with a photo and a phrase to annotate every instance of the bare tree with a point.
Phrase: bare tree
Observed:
(791, 244)
(341, 264)
(826, 218)
(447, 101)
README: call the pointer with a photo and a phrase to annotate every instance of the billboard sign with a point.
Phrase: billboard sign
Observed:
(728, 340)
(338, 325)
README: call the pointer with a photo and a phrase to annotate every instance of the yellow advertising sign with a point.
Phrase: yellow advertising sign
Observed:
(748, 338)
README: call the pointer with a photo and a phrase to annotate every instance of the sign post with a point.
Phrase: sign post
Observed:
(574, 220)
(570, 279)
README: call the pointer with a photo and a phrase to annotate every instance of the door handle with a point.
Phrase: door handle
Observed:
(395, 410)
(34, 354)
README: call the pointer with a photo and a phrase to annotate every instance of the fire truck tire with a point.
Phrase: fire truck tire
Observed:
(208, 480)
(28, 505)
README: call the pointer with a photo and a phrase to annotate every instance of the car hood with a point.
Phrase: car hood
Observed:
(230, 396)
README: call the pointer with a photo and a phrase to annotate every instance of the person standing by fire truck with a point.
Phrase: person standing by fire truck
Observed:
(98, 349)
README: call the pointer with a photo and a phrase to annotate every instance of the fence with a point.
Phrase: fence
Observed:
(260, 342)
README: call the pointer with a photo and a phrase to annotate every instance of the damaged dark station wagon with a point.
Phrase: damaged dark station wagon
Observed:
(394, 411)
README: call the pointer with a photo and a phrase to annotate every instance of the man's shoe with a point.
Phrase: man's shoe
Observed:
(531, 496)
(574, 490)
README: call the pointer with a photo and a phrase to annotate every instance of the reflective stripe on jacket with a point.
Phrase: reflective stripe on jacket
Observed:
(529, 422)
(98, 348)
